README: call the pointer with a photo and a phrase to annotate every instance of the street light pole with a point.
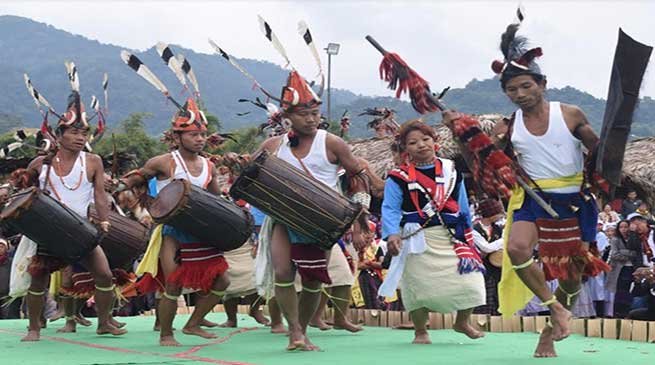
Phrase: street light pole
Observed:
(331, 49)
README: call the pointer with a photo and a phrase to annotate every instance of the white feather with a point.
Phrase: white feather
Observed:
(275, 41)
(191, 75)
(144, 72)
(73, 76)
(172, 62)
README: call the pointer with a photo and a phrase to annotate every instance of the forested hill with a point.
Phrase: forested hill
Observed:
(40, 50)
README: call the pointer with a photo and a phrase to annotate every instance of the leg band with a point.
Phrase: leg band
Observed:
(106, 288)
(523, 265)
(569, 296)
(284, 285)
(36, 293)
(310, 290)
(550, 301)
(218, 293)
(170, 297)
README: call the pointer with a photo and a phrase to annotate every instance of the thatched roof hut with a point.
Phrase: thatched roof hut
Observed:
(377, 150)
(638, 168)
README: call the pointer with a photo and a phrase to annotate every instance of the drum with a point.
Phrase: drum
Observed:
(299, 201)
(125, 241)
(212, 219)
(496, 258)
(57, 230)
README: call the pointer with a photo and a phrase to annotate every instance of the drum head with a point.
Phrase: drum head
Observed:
(18, 203)
(169, 200)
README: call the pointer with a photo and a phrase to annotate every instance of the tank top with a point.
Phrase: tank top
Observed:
(66, 189)
(557, 153)
(182, 172)
(316, 161)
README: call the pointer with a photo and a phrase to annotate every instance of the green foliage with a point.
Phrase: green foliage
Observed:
(131, 137)
(249, 139)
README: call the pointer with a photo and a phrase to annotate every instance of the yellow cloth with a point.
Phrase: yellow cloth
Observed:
(149, 264)
(513, 295)
(55, 282)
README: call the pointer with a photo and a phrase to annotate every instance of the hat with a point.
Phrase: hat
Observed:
(75, 115)
(190, 118)
(298, 93)
(519, 59)
(636, 215)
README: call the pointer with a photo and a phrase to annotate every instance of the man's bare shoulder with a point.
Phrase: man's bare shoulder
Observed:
(571, 110)
(36, 163)
(334, 141)
(271, 143)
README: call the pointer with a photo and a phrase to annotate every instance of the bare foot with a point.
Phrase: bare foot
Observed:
(31, 336)
(228, 324)
(560, 317)
(348, 326)
(421, 337)
(278, 328)
(156, 327)
(546, 346)
(296, 341)
(197, 331)
(309, 346)
(108, 329)
(258, 315)
(116, 323)
(168, 341)
(82, 321)
(468, 330)
(320, 324)
(69, 327)
(207, 323)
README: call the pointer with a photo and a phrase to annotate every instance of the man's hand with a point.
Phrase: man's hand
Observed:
(394, 244)
(449, 116)
(359, 240)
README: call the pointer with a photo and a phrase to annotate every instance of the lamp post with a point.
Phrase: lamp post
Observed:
(332, 49)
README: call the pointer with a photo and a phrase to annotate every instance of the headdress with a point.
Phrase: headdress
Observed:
(519, 60)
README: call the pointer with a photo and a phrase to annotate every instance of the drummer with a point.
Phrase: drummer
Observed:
(319, 154)
(202, 266)
(487, 235)
(75, 178)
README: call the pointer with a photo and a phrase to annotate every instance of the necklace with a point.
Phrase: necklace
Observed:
(61, 178)
(427, 163)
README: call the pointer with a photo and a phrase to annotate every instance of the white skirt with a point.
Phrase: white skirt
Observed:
(241, 272)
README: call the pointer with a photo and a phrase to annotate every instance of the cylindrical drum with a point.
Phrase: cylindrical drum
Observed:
(212, 219)
(301, 202)
(57, 230)
(125, 241)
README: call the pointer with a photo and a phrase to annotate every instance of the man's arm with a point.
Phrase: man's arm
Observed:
(152, 168)
(579, 126)
(100, 198)
(344, 155)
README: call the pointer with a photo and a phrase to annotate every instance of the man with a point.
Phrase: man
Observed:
(76, 179)
(206, 272)
(547, 138)
(319, 154)
(630, 203)
(639, 224)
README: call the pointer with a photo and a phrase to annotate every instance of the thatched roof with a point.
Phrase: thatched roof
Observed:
(377, 150)
(638, 168)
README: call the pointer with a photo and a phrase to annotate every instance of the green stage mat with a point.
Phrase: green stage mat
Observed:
(254, 344)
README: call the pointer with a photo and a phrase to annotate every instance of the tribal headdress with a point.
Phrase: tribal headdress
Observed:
(189, 117)
(383, 119)
(519, 59)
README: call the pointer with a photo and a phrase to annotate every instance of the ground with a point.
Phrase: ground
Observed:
(253, 344)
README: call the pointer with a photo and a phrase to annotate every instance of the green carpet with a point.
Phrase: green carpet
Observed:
(255, 345)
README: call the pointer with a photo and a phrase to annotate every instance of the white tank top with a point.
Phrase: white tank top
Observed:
(182, 172)
(66, 189)
(316, 161)
(555, 154)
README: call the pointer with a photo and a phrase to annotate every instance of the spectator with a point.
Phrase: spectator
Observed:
(608, 216)
(639, 224)
(630, 203)
(644, 286)
(625, 257)
(644, 211)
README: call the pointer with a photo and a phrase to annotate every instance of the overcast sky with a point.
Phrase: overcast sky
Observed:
(447, 42)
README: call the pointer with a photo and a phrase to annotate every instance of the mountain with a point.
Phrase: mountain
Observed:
(40, 50)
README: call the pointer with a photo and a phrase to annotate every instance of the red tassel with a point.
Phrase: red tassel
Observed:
(497, 66)
(199, 275)
(403, 79)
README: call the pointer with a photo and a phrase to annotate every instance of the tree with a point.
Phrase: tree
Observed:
(131, 137)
